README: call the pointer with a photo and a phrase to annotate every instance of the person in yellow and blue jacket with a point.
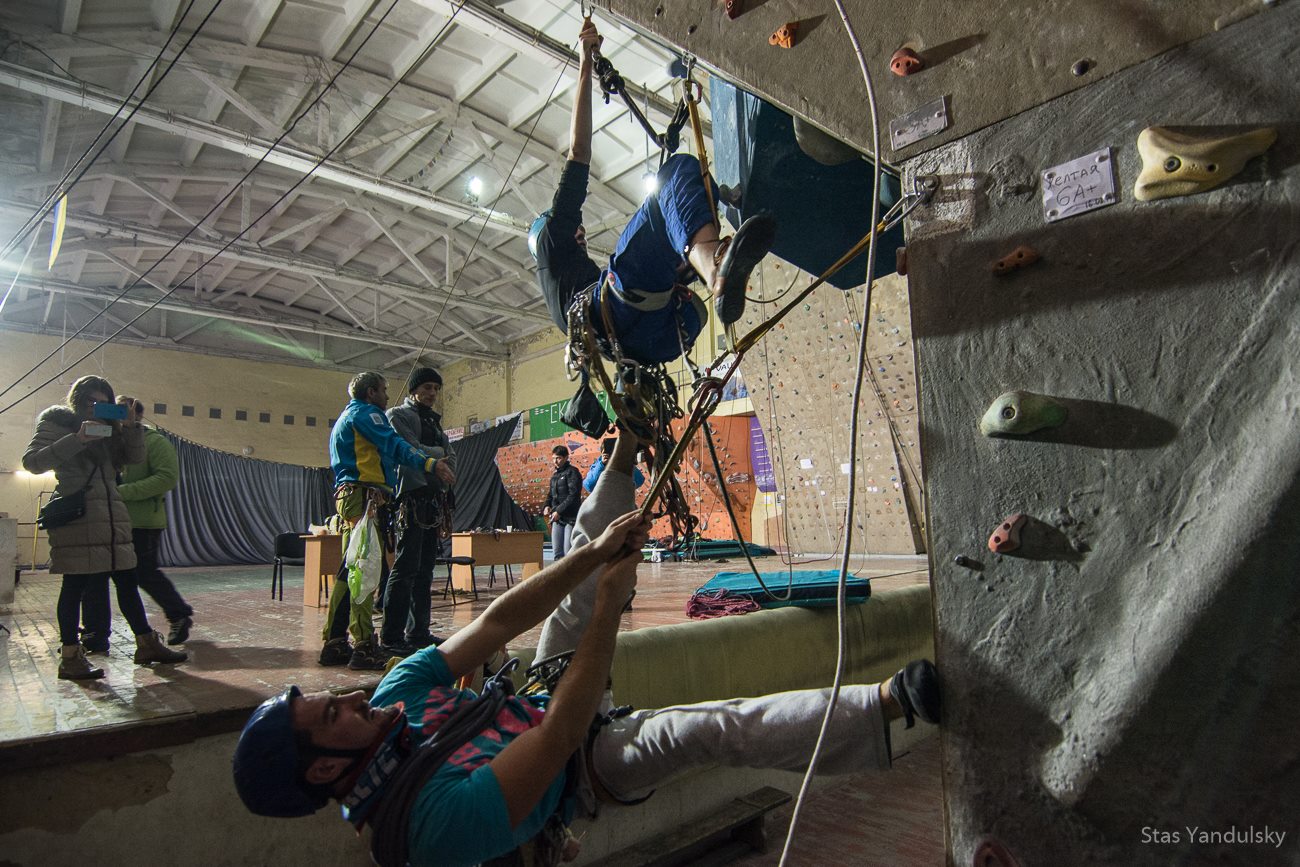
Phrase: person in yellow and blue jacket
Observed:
(365, 453)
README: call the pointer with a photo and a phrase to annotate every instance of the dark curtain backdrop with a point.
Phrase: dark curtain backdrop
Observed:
(228, 509)
(481, 496)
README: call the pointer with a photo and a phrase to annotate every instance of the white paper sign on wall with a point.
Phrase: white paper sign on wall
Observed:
(1081, 185)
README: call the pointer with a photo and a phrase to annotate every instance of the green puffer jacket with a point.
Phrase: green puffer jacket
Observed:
(100, 540)
(144, 485)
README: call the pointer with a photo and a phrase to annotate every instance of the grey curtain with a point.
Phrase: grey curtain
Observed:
(228, 509)
(481, 496)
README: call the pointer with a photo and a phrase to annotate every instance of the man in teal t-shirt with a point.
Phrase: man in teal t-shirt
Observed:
(509, 778)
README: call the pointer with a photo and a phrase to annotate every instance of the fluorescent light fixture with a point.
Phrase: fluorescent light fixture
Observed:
(23, 474)
(475, 186)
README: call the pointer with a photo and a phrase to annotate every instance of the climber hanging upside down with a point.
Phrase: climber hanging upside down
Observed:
(641, 291)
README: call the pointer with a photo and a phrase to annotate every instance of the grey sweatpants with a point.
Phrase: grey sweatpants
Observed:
(633, 755)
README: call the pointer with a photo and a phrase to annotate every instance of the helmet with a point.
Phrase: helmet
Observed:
(535, 231)
(266, 762)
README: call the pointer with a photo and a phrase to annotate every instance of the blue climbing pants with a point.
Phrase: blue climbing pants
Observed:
(639, 283)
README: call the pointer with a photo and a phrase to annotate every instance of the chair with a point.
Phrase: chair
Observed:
(457, 561)
(290, 548)
(492, 575)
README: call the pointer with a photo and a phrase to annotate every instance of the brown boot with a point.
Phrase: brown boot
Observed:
(73, 664)
(149, 648)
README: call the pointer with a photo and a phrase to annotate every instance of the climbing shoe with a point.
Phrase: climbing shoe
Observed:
(368, 656)
(180, 630)
(149, 648)
(916, 687)
(735, 259)
(73, 664)
(335, 652)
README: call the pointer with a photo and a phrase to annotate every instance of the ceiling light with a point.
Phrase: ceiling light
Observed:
(650, 181)
(475, 186)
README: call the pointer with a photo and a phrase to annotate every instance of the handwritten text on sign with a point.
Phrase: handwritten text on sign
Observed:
(1081, 185)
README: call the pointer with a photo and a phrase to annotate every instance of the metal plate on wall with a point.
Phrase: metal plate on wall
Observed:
(1081, 185)
(919, 123)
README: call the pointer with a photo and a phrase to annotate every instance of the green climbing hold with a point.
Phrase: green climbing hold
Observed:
(1017, 413)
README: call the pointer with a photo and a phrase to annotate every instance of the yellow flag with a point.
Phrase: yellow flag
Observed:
(60, 220)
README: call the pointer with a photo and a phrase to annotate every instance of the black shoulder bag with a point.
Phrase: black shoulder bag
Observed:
(66, 509)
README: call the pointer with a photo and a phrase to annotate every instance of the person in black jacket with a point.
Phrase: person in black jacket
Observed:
(562, 501)
(671, 238)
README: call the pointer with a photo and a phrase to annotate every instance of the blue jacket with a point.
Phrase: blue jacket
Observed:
(593, 475)
(365, 449)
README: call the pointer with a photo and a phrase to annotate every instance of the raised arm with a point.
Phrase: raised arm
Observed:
(526, 768)
(529, 602)
(580, 124)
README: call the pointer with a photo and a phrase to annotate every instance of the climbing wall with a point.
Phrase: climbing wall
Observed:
(1132, 671)
(526, 471)
(801, 383)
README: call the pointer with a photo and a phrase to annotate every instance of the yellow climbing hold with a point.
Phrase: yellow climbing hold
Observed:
(1178, 163)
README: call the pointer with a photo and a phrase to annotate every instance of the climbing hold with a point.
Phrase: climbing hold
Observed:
(905, 61)
(1017, 413)
(1179, 163)
(900, 261)
(734, 8)
(1021, 257)
(785, 35)
(677, 67)
(1006, 538)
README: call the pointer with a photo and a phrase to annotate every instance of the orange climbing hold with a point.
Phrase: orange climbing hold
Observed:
(785, 35)
(1006, 538)
(905, 61)
(1021, 257)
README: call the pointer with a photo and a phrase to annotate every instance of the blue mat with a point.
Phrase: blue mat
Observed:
(811, 589)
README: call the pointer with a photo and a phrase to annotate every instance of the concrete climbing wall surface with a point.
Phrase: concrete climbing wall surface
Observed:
(526, 471)
(1130, 673)
(990, 60)
(801, 384)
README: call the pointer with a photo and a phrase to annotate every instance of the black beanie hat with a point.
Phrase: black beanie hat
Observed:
(420, 376)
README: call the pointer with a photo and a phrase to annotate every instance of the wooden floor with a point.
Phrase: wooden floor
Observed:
(245, 646)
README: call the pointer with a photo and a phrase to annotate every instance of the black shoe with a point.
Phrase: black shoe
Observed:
(335, 652)
(180, 631)
(400, 649)
(916, 687)
(424, 641)
(628, 607)
(93, 643)
(747, 248)
(368, 656)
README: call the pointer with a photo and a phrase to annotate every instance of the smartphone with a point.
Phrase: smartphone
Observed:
(99, 430)
(110, 411)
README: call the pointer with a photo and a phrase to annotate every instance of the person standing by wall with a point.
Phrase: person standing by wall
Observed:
(86, 446)
(144, 487)
(593, 474)
(562, 501)
(423, 507)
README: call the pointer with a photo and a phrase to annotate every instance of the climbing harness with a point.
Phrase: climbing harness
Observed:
(391, 820)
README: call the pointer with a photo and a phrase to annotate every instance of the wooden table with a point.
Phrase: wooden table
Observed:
(322, 558)
(495, 549)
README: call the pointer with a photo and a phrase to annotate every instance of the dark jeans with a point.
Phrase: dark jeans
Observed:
(87, 595)
(151, 579)
(409, 596)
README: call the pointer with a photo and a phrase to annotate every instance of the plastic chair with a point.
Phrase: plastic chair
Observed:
(291, 549)
(457, 561)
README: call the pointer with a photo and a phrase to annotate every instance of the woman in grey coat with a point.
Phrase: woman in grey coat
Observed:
(97, 546)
